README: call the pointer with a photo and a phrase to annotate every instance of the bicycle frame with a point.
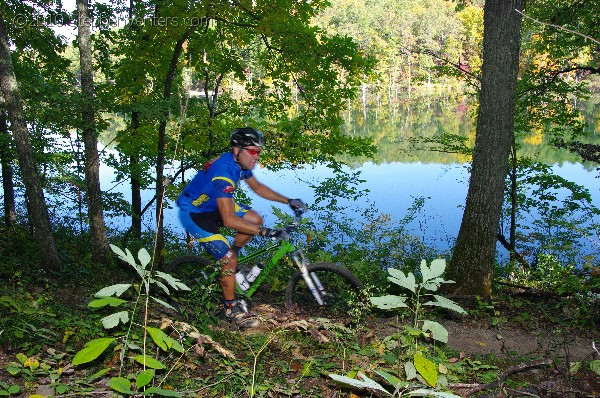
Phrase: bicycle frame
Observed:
(282, 248)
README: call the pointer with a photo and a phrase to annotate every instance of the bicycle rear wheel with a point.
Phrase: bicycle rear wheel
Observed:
(198, 274)
(341, 292)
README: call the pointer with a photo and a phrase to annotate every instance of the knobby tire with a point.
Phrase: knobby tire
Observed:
(342, 286)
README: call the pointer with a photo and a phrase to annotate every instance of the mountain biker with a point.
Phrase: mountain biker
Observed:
(207, 203)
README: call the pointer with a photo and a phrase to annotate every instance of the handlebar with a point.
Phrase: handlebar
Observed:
(298, 214)
(293, 226)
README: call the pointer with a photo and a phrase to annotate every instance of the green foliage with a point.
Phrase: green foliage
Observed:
(8, 389)
(554, 215)
(32, 368)
(419, 366)
(431, 281)
(367, 242)
(24, 318)
(110, 297)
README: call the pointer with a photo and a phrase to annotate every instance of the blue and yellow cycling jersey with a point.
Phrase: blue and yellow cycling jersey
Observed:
(219, 179)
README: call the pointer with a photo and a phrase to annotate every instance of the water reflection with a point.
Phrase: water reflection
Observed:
(403, 169)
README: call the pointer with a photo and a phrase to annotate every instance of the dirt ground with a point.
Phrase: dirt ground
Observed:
(535, 358)
(539, 353)
(476, 339)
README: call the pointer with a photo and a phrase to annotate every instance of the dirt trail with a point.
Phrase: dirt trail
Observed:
(473, 339)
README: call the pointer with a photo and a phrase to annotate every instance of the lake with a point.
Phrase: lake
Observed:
(402, 170)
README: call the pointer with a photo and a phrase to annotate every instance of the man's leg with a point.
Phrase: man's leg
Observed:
(240, 240)
(204, 227)
(233, 310)
(227, 280)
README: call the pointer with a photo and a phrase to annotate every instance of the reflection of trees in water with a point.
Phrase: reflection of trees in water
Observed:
(397, 127)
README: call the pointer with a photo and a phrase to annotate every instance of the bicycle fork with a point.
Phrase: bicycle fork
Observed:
(312, 280)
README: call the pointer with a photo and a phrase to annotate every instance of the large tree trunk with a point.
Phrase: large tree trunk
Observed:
(472, 265)
(99, 241)
(29, 172)
(10, 214)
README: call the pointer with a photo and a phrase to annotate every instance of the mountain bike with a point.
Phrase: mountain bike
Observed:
(316, 288)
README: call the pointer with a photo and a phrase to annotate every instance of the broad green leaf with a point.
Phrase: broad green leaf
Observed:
(365, 383)
(413, 331)
(114, 290)
(159, 337)
(442, 381)
(389, 301)
(98, 374)
(122, 385)
(144, 377)
(13, 370)
(575, 366)
(22, 358)
(125, 256)
(150, 362)
(393, 380)
(438, 332)
(595, 366)
(141, 271)
(441, 301)
(172, 281)
(113, 320)
(118, 251)
(104, 301)
(14, 389)
(61, 389)
(410, 370)
(163, 303)
(144, 257)
(175, 345)
(399, 278)
(426, 368)
(422, 392)
(162, 286)
(92, 350)
(433, 285)
(162, 391)
(438, 266)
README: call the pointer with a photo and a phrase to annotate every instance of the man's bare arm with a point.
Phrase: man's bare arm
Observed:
(264, 191)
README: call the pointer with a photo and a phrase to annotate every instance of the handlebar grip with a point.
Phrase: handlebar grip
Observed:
(290, 228)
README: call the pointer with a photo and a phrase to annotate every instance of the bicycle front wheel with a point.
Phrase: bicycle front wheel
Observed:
(340, 291)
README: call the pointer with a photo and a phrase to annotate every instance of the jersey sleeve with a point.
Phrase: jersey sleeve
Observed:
(223, 187)
(245, 174)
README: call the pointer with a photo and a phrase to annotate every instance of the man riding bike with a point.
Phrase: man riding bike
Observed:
(207, 203)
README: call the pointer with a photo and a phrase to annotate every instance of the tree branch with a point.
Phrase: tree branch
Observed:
(455, 65)
(502, 376)
(558, 27)
(517, 255)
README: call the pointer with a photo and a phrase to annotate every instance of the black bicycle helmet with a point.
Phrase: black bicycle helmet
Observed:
(247, 136)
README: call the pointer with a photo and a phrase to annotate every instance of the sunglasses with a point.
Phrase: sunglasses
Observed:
(253, 152)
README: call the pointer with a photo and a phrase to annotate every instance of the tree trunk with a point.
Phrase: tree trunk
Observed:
(99, 241)
(162, 133)
(472, 265)
(10, 214)
(136, 182)
(29, 172)
(514, 200)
